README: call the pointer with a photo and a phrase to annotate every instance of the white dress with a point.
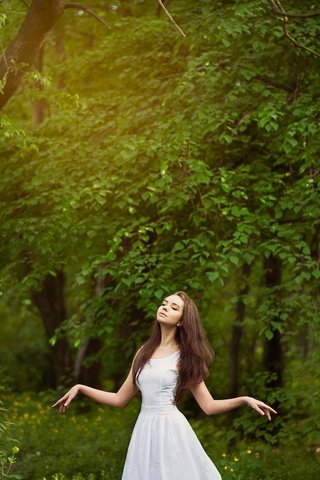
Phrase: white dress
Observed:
(163, 445)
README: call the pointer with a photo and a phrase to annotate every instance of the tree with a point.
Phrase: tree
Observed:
(50, 301)
(26, 48)
(178, 164)
(23, 50)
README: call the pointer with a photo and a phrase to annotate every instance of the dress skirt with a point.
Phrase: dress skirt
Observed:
(163, 446)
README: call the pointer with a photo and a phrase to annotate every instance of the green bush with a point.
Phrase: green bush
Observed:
(8, 445)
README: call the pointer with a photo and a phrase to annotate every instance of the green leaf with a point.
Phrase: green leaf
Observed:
(212, 276)
(268, 334)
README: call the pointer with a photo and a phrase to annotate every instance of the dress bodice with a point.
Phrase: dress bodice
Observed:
(158, 381)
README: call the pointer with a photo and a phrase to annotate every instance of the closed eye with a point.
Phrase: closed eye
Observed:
(174, 305)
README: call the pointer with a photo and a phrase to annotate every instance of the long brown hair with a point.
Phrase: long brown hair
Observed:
(195, 351)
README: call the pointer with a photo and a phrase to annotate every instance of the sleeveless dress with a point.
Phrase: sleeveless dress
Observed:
(163, 445)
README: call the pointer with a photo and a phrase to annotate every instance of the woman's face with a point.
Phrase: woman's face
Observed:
(170, 311)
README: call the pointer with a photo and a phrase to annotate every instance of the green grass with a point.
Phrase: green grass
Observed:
(91, 444)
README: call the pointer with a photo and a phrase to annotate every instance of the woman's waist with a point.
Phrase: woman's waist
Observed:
(158, 409)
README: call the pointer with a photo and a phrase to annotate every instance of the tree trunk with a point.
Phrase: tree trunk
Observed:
(51, 304)
(22, 51)
(126, 331)
(273, 352)
(40, 105)
(237, 330)
(90, 374)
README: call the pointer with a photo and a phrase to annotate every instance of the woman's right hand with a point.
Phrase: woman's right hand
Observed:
(67, 398)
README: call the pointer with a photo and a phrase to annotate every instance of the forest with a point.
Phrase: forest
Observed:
(148, 147)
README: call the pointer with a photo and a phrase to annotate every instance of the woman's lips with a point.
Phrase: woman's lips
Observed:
(161, 313)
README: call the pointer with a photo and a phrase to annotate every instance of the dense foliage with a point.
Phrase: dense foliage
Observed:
(167, 163)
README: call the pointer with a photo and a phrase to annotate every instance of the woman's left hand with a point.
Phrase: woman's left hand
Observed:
(260, 407)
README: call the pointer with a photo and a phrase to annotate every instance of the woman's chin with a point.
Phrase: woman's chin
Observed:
(164, 321)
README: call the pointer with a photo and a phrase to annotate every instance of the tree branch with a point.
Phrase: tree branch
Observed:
(90, 11)
(172, 20)
(274, 83)
(283, 13)
(242, 117)
(278, 9)
(297, 44)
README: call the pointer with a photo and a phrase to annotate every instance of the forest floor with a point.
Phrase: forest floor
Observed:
(89, 442)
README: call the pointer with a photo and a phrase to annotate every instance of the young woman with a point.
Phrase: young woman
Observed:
(175, 358)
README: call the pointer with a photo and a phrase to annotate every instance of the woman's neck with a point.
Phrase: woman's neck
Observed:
(168, 339)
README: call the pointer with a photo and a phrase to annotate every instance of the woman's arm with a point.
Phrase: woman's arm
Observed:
(119, 400)
(210, 406)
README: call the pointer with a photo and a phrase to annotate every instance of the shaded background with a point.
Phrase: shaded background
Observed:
(135, 163)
